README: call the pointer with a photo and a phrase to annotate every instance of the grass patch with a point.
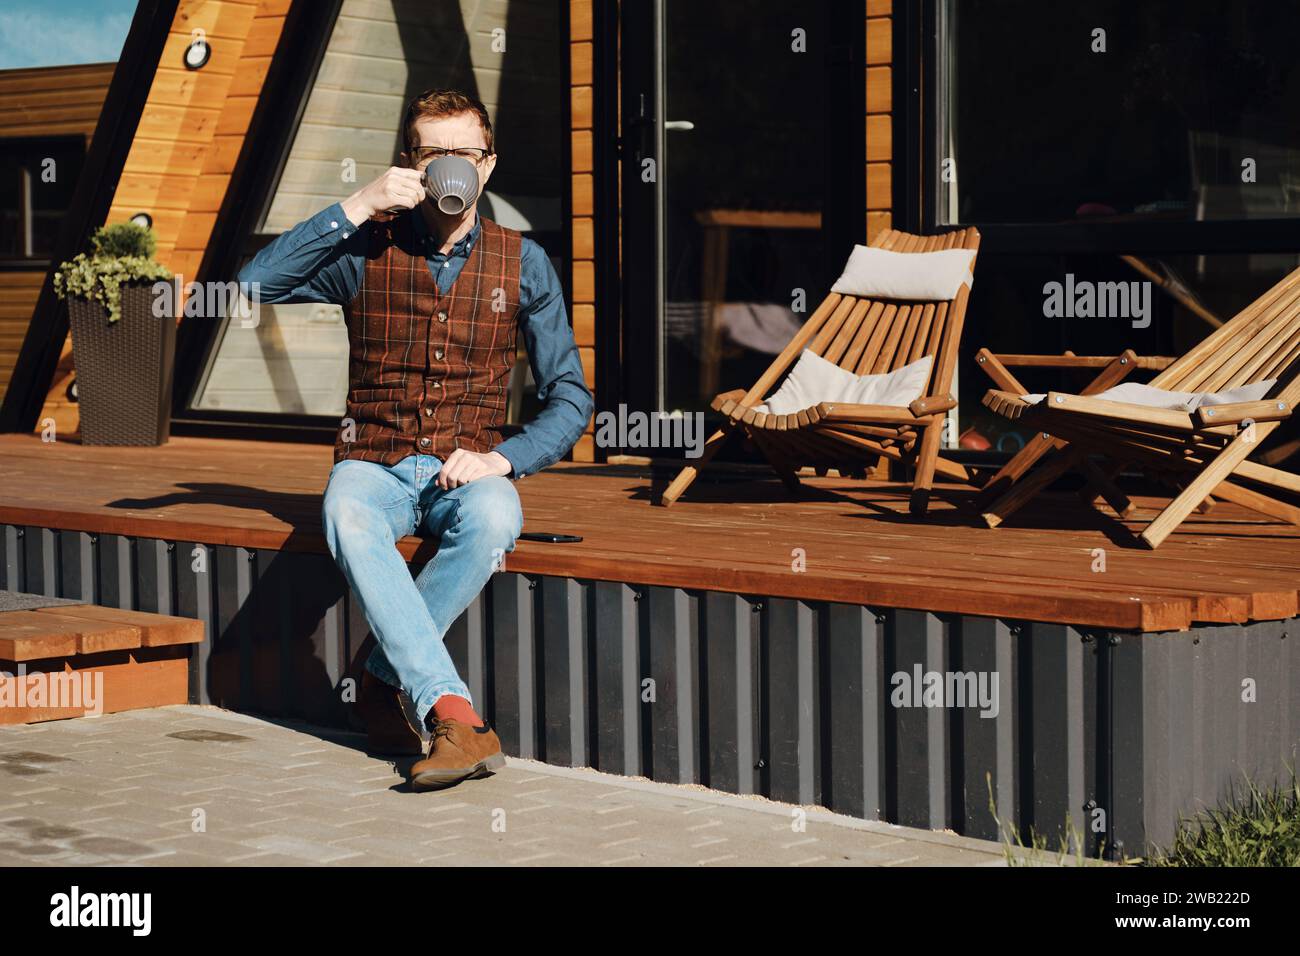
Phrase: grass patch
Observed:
(1252, 828)
(1037, 852)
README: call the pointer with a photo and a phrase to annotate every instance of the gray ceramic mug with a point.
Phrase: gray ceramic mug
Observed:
(452, 183)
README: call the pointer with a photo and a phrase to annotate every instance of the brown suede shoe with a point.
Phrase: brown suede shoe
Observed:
(457, 752)
(388, 728)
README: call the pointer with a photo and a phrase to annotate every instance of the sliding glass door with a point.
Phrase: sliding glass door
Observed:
(740, 185)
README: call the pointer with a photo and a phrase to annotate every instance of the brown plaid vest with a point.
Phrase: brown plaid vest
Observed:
(428, 371)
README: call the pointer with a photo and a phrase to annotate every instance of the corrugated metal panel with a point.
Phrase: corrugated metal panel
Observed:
(1118, 733)
(668, 631)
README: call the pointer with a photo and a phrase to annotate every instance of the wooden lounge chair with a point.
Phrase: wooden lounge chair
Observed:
(1112, 370)
(862, 336)
(1204, 452)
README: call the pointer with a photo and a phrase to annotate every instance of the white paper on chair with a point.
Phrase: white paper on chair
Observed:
(813, 379)
(913, 276)
(1135, 393)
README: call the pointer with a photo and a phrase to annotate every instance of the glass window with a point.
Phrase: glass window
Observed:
(1118, 110)
(376, 60)
(744, 187)
(293, 361)
(37, 179)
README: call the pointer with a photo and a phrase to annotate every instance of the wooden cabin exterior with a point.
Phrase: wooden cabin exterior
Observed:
(698, 179)
(43, 111)
(671, 300)
(193, 132)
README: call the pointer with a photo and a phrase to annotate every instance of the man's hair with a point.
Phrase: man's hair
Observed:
(435, 103)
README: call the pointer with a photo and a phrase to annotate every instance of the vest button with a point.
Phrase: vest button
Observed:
(428, 410)
(437, 385)
(442, 316)
(424, 442)
(438, 354)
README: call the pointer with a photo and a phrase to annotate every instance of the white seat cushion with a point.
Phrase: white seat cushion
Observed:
(814, 380)
(912, 276)
(1148, 396)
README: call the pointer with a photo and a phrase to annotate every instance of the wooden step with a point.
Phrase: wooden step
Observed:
(76, 660)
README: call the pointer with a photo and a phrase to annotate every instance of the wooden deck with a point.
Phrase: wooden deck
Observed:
(856, 542)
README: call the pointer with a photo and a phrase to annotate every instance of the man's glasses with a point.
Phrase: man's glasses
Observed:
(425, 154)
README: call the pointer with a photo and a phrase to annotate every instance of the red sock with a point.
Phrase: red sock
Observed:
(451, 707)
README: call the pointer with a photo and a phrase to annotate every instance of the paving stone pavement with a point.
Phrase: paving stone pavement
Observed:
(202, 786)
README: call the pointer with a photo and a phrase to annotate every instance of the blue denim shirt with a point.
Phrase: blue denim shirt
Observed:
(323, 259)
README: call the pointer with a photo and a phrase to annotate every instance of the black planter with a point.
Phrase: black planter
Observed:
(124, 370)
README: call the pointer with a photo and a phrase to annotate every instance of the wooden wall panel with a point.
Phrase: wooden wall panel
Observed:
(53, 101)
(879, 132)
(581, 154)
(584, 282)
(171, 172)
(582, 253)
(879, 125)
(584, 323)
(584, 242)
(879, 40)
(878, 186)
(880, 89)
(18, 294)
(880, 135)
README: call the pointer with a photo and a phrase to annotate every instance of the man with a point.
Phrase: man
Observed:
(433, 303)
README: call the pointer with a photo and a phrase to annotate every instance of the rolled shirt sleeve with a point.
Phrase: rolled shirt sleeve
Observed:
(567, 403)
(318, 260)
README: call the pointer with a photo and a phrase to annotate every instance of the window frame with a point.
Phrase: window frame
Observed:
(29, 261)
(239, 231)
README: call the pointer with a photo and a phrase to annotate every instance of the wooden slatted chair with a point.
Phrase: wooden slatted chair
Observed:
(1112, 370)
(1197, 451)
(864, 336)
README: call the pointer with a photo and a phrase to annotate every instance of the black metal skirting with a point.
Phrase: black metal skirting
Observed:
(1119, 733)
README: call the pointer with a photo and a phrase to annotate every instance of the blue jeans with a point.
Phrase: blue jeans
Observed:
(367, 507)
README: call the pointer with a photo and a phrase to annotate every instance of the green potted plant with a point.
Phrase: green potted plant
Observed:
(123, 348)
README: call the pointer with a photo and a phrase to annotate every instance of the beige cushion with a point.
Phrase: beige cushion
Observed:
(1148, 396)
(813, 380)
(912, 276)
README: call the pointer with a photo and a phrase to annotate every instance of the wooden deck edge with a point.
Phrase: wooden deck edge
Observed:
(1158, 612)
(944, 596)
(100, 684)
